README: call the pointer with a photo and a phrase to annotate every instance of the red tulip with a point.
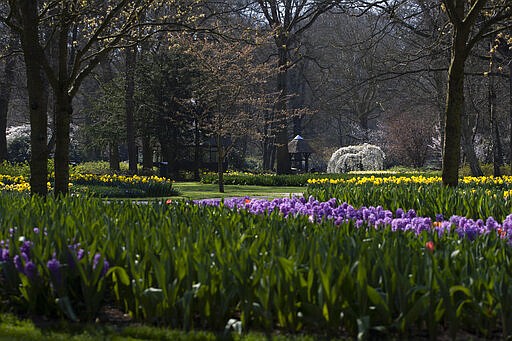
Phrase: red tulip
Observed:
(430, 246)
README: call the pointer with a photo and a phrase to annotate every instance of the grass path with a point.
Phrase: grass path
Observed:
(197, 190)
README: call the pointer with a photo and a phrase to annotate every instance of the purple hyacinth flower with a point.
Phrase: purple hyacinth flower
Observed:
(411, 214)
(399, 213)
(4, 255)
(18, 264)
(96, 260)
(30, 270)
(25, 248)
(54, 267)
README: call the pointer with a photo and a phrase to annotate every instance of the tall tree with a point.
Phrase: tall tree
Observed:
(6, 83)
(288, 20)
(230, 82)
(130, 62)
(23, 18)
(85, 33)
(471, 21)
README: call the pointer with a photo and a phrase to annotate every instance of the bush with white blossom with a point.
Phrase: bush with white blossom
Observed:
(18, 143)
(365, 157)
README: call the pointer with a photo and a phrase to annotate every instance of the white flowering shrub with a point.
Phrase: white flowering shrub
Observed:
(365, 157)
(18, 143)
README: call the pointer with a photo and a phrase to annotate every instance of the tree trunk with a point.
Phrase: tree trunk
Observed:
(147, 154)
(510, 112)
(63, 115)
(495, 137)
(173, 153)
(37, 98)
(130, 108)
(467, 145)
(282, 155)
(267, 144)
(454, 107)
(113, 157)
(63, 109)
(220, 163)
(5, 98)
(197, 152)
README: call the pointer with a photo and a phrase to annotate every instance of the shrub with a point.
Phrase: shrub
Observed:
(364, 157)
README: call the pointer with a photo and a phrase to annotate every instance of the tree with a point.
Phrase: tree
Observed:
(6, 84)
(288, 20)
(131, 59)
(85, 33)
(470, 21)
(503, 45)
(230, 83)
(23, 19)
(106, 116)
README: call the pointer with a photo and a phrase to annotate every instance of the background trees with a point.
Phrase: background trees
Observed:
(140, 91)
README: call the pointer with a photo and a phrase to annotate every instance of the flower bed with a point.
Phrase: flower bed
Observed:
(369, 217)
(476, 198)
(294, 268)
(101, 185)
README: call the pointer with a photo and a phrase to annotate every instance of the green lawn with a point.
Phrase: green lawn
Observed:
(197, 190)
(13, 328)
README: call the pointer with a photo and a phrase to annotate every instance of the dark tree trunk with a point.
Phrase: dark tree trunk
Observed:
(297, 126)
(282, 155)
(495, 137)
(37, 98)
(63, 115)
(173, 153)
(147, 154)
(63, 110)
(197, 152)
(130, 108)
(113, 157)
(220, 163)
(454, 108)
(468, 147)
(267, 145)
(165, 157)
(5, 98)
(510, 113)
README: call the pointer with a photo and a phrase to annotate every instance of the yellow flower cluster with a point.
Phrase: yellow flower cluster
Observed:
(21, 184)
(134, 179)
(14, 183)
(489, 180)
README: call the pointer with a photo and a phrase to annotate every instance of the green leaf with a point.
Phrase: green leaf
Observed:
(377, 299)
(120, 273)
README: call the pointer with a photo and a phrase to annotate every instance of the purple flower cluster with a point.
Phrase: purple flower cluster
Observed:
(4, 251)
(96, 261)
(371, 217)
(23, 263)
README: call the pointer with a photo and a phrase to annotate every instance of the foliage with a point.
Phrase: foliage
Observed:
(15, 169)
(487, 169)
(106, 115)
(193, 266)
(99, 168)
